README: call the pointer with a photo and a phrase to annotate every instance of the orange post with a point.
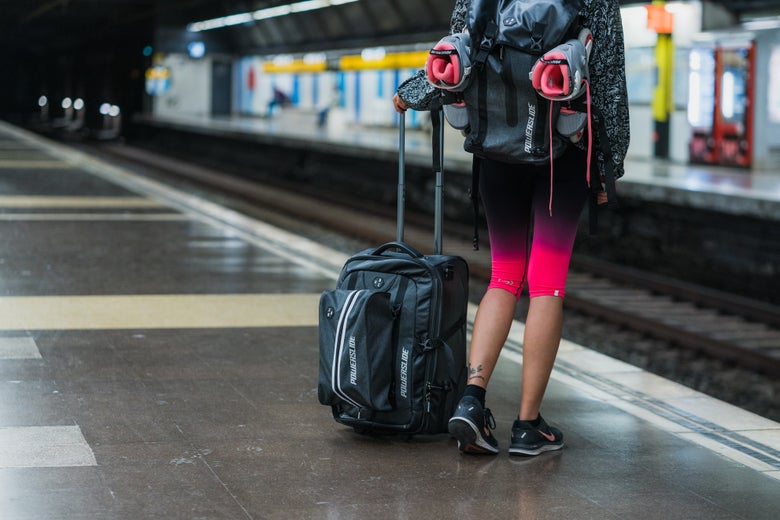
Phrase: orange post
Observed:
(662, 22)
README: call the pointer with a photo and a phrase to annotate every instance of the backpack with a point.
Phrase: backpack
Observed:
(515, 83)
(509, 120)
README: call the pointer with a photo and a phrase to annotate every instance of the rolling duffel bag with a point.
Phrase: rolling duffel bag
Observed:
(392, 334)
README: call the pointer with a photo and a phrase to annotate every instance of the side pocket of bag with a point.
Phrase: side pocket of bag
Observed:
(356, 349)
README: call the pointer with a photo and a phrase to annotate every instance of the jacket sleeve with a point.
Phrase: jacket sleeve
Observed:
(608, 80)
(416, 91)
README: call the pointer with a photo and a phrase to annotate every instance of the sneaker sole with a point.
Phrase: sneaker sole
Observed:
(534, 451)
(468, 437)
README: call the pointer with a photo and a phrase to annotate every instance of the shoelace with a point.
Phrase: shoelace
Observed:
(490, 422)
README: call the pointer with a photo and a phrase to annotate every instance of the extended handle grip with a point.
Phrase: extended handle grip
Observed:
(437, 145)
(406, 248)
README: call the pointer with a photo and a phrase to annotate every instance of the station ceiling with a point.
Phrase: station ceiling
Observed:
(45, 27)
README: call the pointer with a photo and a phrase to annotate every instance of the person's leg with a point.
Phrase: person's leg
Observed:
(491, 327)
(506, 195)
(548, 266)
(540, 347)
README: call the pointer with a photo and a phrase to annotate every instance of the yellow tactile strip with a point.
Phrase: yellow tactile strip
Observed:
(158, 311)
(104, 217)
(77, 202)
(38, 164)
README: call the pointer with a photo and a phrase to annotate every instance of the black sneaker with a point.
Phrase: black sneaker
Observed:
(471, 425)
(533, 440)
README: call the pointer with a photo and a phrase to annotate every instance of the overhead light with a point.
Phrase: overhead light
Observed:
(283, 60)
(315, 57)
(761, 24)
(196, 49)
(264, 14)
(377, 53)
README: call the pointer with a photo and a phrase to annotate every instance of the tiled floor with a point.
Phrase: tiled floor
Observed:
(158, 359)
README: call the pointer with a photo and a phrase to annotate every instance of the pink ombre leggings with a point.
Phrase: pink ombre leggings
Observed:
(526, 241)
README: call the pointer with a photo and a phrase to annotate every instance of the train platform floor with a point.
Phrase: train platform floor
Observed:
(739, 191)
(159, 357)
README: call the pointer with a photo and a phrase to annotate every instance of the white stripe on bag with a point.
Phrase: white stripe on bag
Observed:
(338, 347)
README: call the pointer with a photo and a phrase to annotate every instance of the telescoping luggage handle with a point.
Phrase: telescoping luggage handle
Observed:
(437, 145)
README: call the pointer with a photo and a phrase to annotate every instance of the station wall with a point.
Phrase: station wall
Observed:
(189, 90)
(362, 97)
(767, 91)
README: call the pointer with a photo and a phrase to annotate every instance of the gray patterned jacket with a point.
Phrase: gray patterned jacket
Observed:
(607, 75)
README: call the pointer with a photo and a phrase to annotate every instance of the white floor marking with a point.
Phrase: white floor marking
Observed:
(44, 447)
(18, 348)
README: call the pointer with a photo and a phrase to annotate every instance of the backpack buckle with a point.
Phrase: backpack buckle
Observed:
(489, 36)
(537, 36)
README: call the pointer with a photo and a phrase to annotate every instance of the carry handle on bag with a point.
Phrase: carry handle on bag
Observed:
(403, 246)
(437, 145)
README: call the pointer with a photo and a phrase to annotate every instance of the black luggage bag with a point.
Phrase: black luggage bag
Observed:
(393, 332)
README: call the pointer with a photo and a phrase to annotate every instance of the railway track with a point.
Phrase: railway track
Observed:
(736, 330)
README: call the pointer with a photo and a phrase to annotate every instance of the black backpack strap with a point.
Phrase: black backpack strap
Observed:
(609, 174)
(486, 43)
(606, 150)
(483, 29)
(482, 113)
(476, 164)
(593, 216)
